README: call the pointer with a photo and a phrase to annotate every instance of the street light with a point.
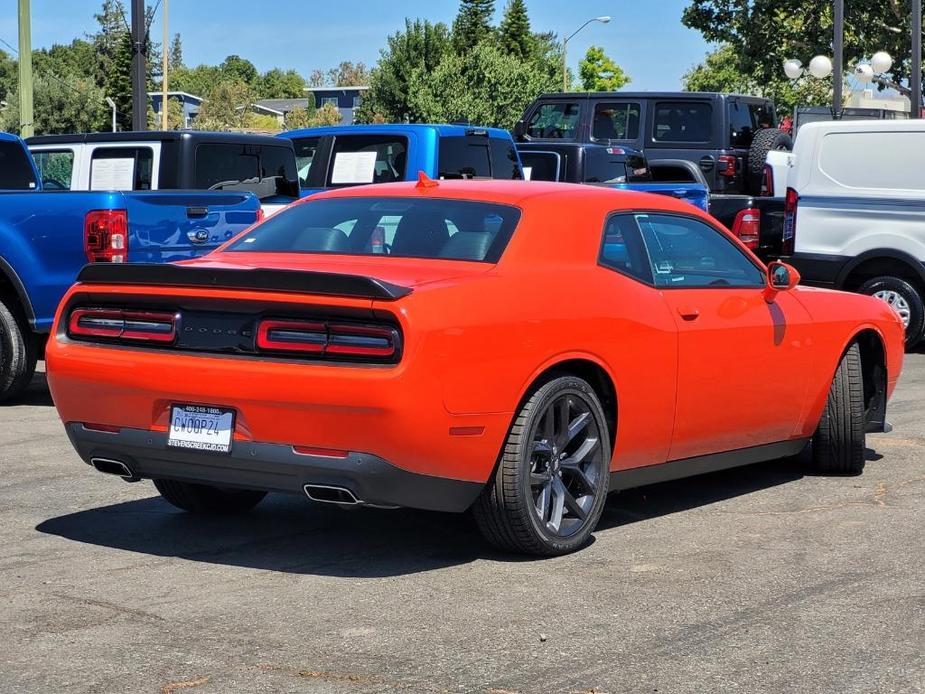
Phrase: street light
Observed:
(112, 105)
(603, 20)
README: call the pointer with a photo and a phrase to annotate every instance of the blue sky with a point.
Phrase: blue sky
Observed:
(646, 38)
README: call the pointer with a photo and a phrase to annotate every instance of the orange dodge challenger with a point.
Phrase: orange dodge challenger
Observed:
(520, 348)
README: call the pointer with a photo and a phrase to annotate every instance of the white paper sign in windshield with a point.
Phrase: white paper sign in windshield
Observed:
(354, 167)
(112, 174)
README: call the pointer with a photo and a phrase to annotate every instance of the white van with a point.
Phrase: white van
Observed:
(855, 211)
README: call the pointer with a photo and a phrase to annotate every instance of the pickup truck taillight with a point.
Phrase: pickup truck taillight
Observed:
(747, 227)
(791, 200)
(329, 339)
(118, 324)
(726, 165)
(106, 236)
(768, 181)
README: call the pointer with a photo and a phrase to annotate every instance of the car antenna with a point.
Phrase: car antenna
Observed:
(425, 181)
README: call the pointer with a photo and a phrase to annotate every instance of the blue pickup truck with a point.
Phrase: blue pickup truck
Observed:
(349, 155)
(47, 236)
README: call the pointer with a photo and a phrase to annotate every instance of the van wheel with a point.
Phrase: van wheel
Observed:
(840, 438)
(764, 141)
(205, 499)
(17, 353)
(549, 488)
(903, 298)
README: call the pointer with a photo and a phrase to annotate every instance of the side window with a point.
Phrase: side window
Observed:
(615, 121)
(121, 168)
(15, 170)
(359, 159)
(682, 121)
(541, 166)
(622, 248)
(329, 101)
(740, 124)
(55, 168)
(463, 157)
(685, 252)
(504, 161)
(558, 120)
(305, 150)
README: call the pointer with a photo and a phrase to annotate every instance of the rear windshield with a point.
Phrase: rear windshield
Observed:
(263, 169)
(406, 227)
(15, 169)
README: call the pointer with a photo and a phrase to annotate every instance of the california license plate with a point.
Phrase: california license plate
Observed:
(201, 428)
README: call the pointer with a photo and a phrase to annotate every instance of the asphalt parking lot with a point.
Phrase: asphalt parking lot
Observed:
(760, 579)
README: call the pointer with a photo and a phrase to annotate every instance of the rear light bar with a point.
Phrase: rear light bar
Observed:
(768, 190)
(726, 165)
(791, 202)
(380, 342)
(117, 324)
(106, 236)
(747, 227)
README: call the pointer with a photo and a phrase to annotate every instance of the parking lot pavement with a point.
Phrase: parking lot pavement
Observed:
(760, 579)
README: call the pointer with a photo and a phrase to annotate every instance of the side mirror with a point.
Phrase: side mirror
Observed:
(780, 278)
(520, 129)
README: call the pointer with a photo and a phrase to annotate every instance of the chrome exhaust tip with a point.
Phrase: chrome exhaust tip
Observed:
(108, 466)
(327, 494)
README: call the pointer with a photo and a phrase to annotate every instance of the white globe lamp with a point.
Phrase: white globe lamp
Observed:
(881, 62)
(864, 73)
(820, 67)
(793, 69)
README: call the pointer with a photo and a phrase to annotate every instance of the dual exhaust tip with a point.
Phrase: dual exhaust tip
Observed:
(108, 466)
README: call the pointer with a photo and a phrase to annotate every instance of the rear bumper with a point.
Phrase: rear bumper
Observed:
(274, 468)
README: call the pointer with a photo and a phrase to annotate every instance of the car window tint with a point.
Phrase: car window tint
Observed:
(541, 166)
(504, 160)
(407, 227)
(463, 157)
(615, 121)
(121, 168)
(622, 248)
(55, 168)
(614, 165)
(360, 159)
(557, 120)
(685, 252)
(741, 125)
(15, 170)
(305, 150)
(682, 121)
(227, 164)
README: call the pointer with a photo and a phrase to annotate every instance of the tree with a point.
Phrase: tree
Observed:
(599, 72)
(175, 57)
(472, 24)
(411, 55)
(225, 108)
(118, 85)
(236, 69)
(175, 118)
(198, 81)
(348, 74)
(514, 34)
(61, 105)
(276, 84)
(261, 122)
(299, 118)
(318, 78)
(326, 115)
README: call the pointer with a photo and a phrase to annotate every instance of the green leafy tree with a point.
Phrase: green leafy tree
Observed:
(277, 84)
(61, 105)
(175, 118)
(403, 68)
(472, 23)
(8, 76)
(328, 114)
(261, 122)
(237, 69)
(175, 57)
(348, 74)
(118, 85)
(225, 108)
(299, 118)
(514, 34)
(600, 73)
(198, 80)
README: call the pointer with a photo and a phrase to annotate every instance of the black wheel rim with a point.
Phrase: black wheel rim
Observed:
(566, 465)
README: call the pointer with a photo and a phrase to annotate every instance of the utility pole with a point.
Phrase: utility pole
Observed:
(838, 48)
(164, 77)
(139, 72)
(915, 78)
(26, 122)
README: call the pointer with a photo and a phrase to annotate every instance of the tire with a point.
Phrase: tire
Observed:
(905, 300)
(17, 352)
(207, 500)
(764, 141)
(839, 441)
(544, 471)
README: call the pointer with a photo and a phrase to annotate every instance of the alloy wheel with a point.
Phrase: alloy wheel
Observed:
(897, 302)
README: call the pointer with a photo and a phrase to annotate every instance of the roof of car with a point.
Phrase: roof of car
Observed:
(680, 96)
(8, 137)
(151, 136)
(442, 130)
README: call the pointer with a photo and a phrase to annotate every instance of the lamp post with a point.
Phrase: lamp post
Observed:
(112, 105)
(603, 20)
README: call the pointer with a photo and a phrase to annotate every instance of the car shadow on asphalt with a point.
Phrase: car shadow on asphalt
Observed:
(291, 535)
(36, 395)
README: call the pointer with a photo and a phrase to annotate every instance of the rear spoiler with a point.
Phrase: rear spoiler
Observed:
(298, 281)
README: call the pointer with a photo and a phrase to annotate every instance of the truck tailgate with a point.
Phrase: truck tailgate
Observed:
(165, 226)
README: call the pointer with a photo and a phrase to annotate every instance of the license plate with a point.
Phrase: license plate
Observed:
(201, 428)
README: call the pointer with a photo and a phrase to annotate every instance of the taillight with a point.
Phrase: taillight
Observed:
(747, 227)
(106, 236)
(338, 340)
(791, 201)
(260, 214)
(768, 181)
(116, 324)
(726, 165)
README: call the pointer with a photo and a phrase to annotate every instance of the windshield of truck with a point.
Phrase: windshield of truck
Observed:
(266, 170)
(15, 170)
(557, 120)
(405, 227)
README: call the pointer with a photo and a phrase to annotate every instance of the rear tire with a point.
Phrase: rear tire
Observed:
(208, 500)
(905, 299)
(840, 439)
(17, 353)
(763, 142)
(549, 488)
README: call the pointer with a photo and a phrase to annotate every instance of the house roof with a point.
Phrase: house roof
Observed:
(183, 95)
(282, 106)
(316, 90)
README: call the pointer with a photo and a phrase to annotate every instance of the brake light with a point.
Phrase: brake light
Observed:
(106, 236)
(328, 339)
(747, 227)
(768, 181)
(116, 324)
(260, 214)
(791, 201)
(726, 165)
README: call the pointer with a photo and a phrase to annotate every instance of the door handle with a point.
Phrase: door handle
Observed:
(688, 312)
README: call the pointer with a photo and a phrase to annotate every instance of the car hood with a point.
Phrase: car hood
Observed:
(405, 272)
